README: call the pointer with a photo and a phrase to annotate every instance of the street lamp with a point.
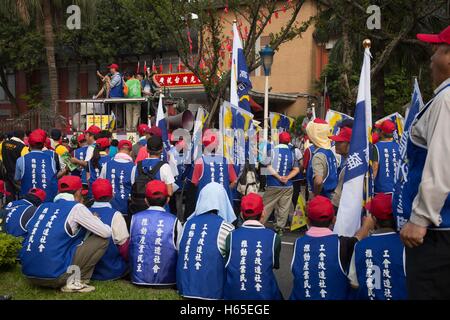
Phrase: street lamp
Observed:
(266, 55)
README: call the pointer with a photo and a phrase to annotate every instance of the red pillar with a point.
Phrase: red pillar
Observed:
(84, 84)
(63, 84)
(21, 89)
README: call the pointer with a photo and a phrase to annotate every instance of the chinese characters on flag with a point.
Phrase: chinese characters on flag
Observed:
(176, 79)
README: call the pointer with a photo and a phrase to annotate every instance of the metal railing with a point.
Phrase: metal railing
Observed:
(44, 118)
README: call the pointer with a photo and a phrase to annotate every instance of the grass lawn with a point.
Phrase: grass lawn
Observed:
(13, 283)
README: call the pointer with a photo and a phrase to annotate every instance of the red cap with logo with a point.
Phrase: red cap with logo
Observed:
(69, 183)
(125, 144)
(388, 126)
(93, 130)
(210, 139)
(37, 136)
(252, 205)
(320, 209)
(143, 129)
(102, 188)
(381, 206)
(81, 137)
(284, 137)
(156, 189)
(103, 143)
(155, 131)
(113, 66)
(320, 121)
(344, 135)
(3, 189)
(443, 37)
(41, 194)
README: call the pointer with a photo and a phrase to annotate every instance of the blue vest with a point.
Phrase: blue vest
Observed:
(249, 270)
(94, 173)
(13, 219)
(153, 253)
(215, 169)
(117, 91)
(388, 155)
(416, 156)
(39, 172)
(111, 266)
(282, 162)
(318, 274)
(201, 267)
(80, 154)
(49, 248)
(379, 266)
(331, 180)
(148, 164)
(119, 173)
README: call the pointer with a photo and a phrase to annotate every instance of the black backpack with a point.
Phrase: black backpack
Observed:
(137, 199)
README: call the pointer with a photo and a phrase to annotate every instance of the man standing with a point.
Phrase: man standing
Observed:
(385, 157)
(116, 91)
(279, 190)
(144, 133)
(322, 168)
(12, 150)
(427, 234)
(56, 240)
(133, 109)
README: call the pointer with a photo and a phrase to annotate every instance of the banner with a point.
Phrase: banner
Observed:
(101, 121)
(334, 118)
(280, 121)
(162, 123)
(357, 165)
(200, 119)
(181, 79)
(398, 119)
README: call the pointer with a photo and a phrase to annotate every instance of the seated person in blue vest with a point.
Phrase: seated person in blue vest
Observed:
(252, 252)
(322, 174)
(154, 234)
(37, 169)
(113, 265)
(385, 157)
(56, 245)
(99, 158)
(377, 268)
(91, 135)
(201, 263)
(144, 133)
(278, 195)
(119, 171)
(19, 212)
(212, 167)
(321, 258)
(80, 153)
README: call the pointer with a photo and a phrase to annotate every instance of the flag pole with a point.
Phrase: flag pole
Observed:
(367, 44)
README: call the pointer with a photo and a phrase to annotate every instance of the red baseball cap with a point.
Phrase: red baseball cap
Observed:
(443, 37)
(252, 205)
(344, 135)
(125, 143)
(375, 138)
(102, 188)
(69, 183)
(388, 126)
(381, 206)
(41, 194)
(37, 136)
(103, 143)
(93, 130)
(81, 138)
(284, 137)
(377, 125)
(155, 131)
(3, 189)
(156, 189)
(113, 66)
(320, 209)
(320, 121)
(210, 139)
(143, 129)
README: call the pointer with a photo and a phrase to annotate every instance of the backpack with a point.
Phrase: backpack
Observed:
(137, 199)
(248, 181)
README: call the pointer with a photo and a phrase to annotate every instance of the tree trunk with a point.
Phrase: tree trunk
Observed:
(50, 52)
(379, 93)
(4, 85)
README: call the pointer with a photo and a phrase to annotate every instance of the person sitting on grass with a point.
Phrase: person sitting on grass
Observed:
(154, 233)
(377, 268)
(201, 264)
(19, 212)
(113, 265)
(58, 244)
(252, 252)
(321, 258)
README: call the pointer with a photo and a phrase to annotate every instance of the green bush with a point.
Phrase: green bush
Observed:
(9, 249)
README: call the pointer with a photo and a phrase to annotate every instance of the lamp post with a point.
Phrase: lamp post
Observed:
(266, 55)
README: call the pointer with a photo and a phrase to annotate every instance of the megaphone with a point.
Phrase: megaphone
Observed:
(183, 120)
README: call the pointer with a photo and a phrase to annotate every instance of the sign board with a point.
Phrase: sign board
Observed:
(101, 121)
(172, 80)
